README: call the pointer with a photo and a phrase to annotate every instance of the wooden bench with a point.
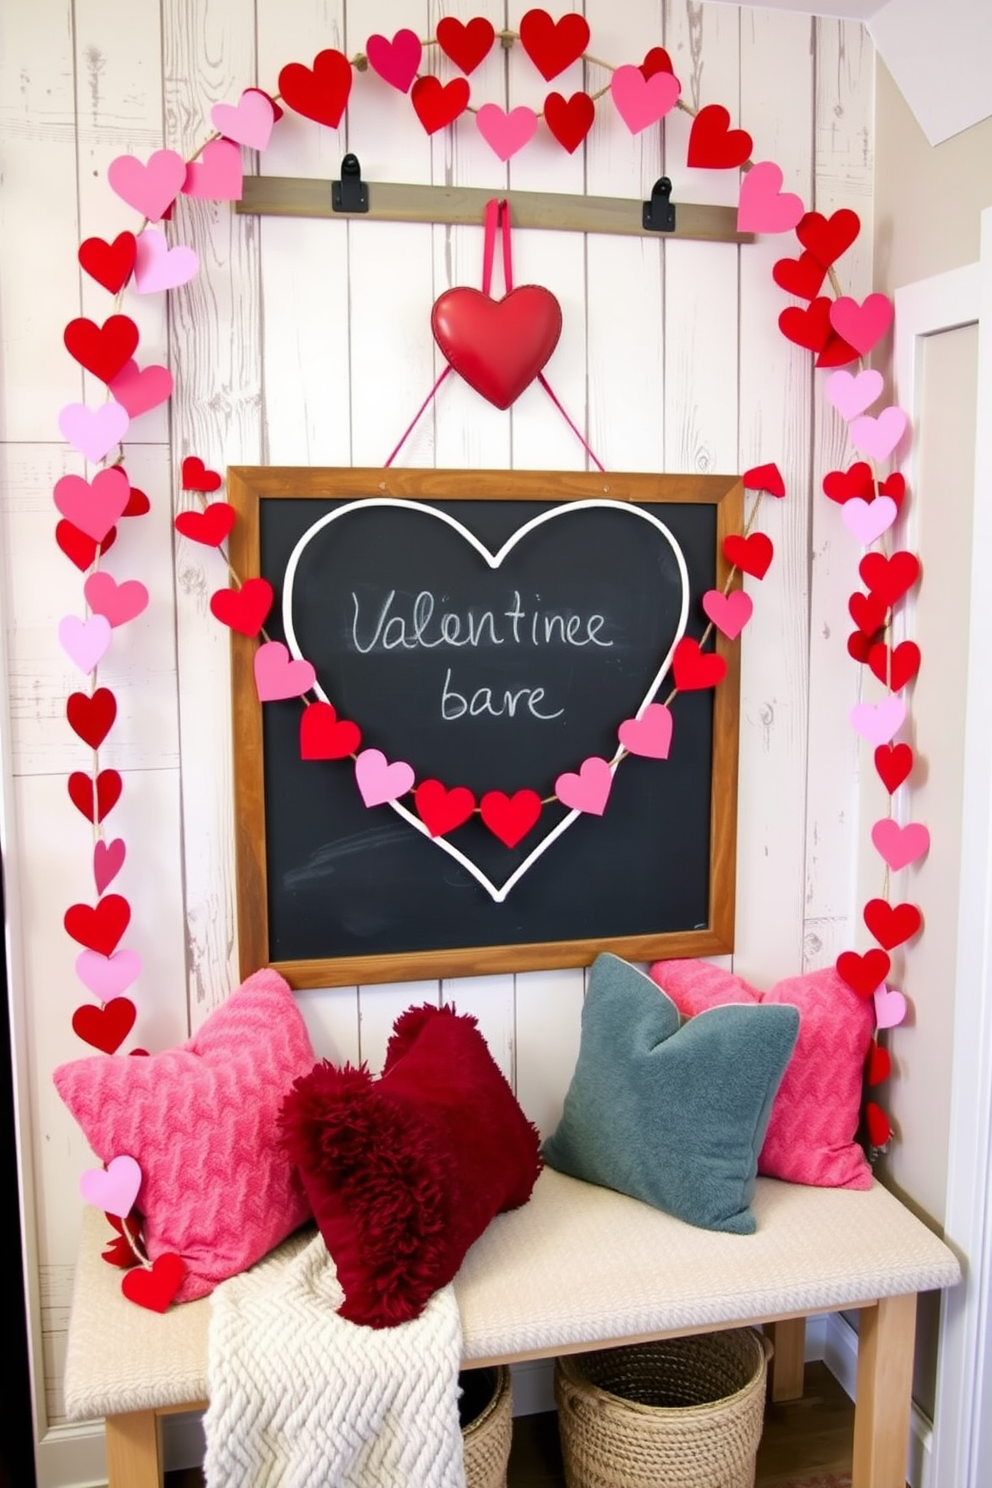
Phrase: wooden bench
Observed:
(576, 1268)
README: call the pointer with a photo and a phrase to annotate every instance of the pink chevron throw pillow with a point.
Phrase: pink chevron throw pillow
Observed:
(201, 1121)
(814, 1120)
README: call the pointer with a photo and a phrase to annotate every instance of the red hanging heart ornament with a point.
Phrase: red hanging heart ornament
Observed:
(896, 667)
(79, 547)
(119, 1252)
(800, 276)
(713, 145)
(859, 647)
(844, 485)
(209, 526)
(108, 792)
(102, 350)
(137, 504)
(694, 669)
(466, 44)
(110, 264)
(889, 578)
(244, 609)
(320, 92)
(91, 716)
(553, 45)
(752, 555)
(105, 1028)
(99, 928)
(497, 346)
(767, 478)
(879, 1065)
(325, 736)
(657, 60)
(879, 1128)
(156, 1288)
(196, 476)
(893, 764)
(569, 119)
(442, 810)
(863, 974)
(510, 818)
(828, 237)
(868, 611)
(892, 924)
(437, 105)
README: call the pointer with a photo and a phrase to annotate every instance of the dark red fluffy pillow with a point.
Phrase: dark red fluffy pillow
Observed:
(404, 1172)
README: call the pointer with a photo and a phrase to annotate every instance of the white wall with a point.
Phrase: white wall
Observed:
(308, 342)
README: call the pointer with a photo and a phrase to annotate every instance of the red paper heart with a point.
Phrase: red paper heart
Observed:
(553, 45)
(106, 1027)
(836, 353)
(713, 144)
(892, 924)
(209, 526)
(894, 486)
(828, 237)
(320, 92)
(569, 119)
(863, 974)
(868, 613)
(99, 928)
(879, 1129)
(102, 350)
(196, 476)
(119, 1252)
(694, 669)
(108, 793)
(809, 327)
(244, 609)
(889, 578)
(110, 264)
(752, 555)
(510, 818)
(137, 504)
(900, 669)
(858, 646)
(879, 1066)
(800, 276)
(277, 112)
(442, 810)
(657, 60)
(325, 736)
(79, 547)
(156, 1288)
(893, 762)
(844, 485)
(766, 478)
(467, 45)
(91, 716)
(498, 346)
(436, 106)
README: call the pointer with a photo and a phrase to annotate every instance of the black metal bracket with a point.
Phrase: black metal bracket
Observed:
(658, 214)
(350, 194)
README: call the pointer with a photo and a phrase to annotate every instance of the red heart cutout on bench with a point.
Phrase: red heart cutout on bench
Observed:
(156, 1288)
(497, 346)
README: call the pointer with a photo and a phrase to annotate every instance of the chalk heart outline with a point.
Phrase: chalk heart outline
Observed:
(498, 892)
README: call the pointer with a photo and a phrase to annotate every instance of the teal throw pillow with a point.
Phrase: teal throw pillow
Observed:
(672, 1112)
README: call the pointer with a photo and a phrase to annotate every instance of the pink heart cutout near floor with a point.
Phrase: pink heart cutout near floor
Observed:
(587, 790)
(867, 520)
(380, 781)
(650, 735)
(506, 133)
(119, 603)
(642, 101)
(159, 267)
(150, 187)
(113, 1189)
(851, 393)
(898, 845)
(764, 206)
(729, 612)
(248, 122)
(93, 506)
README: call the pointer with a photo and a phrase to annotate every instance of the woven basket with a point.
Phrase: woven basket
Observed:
(487, 1423)
(678, 1413)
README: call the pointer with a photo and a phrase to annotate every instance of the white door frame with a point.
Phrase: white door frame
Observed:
(961, 1448)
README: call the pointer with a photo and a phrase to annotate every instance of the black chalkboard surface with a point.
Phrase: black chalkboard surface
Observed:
(490, 631)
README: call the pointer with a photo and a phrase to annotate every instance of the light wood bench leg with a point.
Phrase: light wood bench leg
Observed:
(788, 1361)
(134, 1450)
(885, 1386)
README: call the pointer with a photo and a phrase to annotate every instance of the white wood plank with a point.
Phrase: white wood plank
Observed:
(139, 667)
(844, 168)
(775, 425)
(379, 1008)
(39, 285)
(488, 999)
(208, 49)
(331, 1016)
(548, 1020)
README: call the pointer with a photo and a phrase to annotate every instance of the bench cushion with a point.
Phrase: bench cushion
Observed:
(576, 1266)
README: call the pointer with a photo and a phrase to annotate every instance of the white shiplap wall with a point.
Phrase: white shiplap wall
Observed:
(309, 343)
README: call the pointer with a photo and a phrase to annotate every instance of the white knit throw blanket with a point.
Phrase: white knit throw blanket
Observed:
(300, 1398)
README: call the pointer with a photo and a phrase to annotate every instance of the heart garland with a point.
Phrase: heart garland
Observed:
(838, 331)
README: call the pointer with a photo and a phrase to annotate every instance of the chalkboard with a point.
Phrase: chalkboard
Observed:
(489, 630)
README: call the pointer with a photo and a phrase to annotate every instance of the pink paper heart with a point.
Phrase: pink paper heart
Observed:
(650, 735)
(114, 1190)
(641, 101)
(217, 175)
(878, 722)
(852, 393)
(900, 846)
(149, 188)
(506, 133)
(139, 389)
(861, 326)
(85, 642)
(878, 437)
(277, 675)
(108, 860)
(379, 781)
(159, 267)
(248, 122)
(108, 976)
(867, 520)
(764, 207)
(93, 506)
(93, 431)
(396, 61)
(890, 1008)
(118, 602)
(589, 790)
(729, 612)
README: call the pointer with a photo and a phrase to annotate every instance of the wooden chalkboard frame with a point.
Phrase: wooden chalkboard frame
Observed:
(248, 487)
